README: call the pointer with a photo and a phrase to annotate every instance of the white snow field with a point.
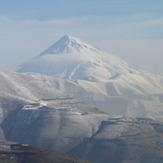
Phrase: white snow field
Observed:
(34, 112)
(99, 79)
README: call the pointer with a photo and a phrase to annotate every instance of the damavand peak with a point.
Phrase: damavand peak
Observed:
(69, 44)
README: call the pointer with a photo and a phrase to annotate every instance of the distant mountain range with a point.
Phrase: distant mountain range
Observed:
(99, 79)
(34, 112)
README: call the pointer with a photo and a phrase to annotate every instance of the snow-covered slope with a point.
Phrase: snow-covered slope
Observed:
(133, 95)
(34, 112)
(100, 79)
(69, 44)
(70, 58)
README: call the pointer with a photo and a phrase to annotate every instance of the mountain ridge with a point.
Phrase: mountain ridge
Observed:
(34, 112)
(102, 80)
(68, 44)
(12, 152)
(75, 59)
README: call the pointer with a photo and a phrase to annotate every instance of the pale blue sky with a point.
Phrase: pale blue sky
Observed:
(131, 29)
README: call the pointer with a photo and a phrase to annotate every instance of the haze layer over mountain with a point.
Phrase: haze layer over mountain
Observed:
(100, 79)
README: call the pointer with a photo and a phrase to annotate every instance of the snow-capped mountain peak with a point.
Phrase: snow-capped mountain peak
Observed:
(71, 58)
(68, 44)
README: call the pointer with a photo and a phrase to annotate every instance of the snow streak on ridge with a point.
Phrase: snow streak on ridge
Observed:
(68, 44)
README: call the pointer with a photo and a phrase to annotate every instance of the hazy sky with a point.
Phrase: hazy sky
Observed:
(131, 29)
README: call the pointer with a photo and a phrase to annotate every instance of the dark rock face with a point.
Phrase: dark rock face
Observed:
(33, 112)
(18, 153)
(140, 140)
